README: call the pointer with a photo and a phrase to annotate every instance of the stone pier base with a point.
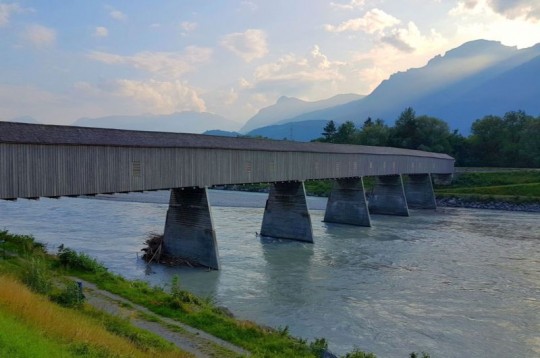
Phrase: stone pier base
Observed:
(189, 230)
(347, 203)
(419, 192)
(286, 213)
(388, 197)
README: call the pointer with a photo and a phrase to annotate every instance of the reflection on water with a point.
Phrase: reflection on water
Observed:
(455, 282)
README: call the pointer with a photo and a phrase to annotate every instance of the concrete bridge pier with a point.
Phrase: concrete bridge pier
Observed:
(347, 203)
(189, 230)
(419, 192)
(286, 213)
(388, 196)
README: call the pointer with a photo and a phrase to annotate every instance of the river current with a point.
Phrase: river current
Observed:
(452, 282)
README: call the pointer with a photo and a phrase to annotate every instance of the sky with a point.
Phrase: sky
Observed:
(62, 60)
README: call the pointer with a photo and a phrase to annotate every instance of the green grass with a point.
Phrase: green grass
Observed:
(261, 342)
(472, 180)
(179, 304)
(527, 190)
(19, 340)
(520, 186)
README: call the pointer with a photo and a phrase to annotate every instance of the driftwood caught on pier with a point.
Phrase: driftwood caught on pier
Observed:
(153, 252)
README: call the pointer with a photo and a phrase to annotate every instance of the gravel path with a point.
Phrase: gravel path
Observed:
(200, 344)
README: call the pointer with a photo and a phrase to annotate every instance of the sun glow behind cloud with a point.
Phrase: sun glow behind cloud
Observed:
(230, 58)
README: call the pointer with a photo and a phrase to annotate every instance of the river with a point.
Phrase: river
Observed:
(452, 282)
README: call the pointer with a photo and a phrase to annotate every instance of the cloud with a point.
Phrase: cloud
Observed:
(353, 4)
(291, 71)
(249, 45)
(250, 5)
(101, 31)
(6, 10)
(150, 96)
(517, 8)
(514, 9)
(485, 19)
(404, 38)
(167, 64)
(40, 36)
(189, 26)
(161, 97)
(377, 64)
(373, 21)
(117, 15)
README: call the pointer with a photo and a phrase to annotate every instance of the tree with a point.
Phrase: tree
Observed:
(432, 135)
(404, 131)
(514, 134)
(346, 133)
(530, 144)
(329, 132)
(487, 141)
(374, 133)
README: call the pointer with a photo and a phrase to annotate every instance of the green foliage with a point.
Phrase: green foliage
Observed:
(19, 340)
(509, 141)
(526, 190)
(70, 296)
(346, 133)
(122, 327)
(179, 298)
(37, 276)
(69, 258)
(329, 132)
(21, 244)
(318, 187)
(417, 355)
(485, 179)
(357, 353)
(318, 346)
(374, 133)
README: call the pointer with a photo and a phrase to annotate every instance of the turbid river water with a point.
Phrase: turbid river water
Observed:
(451, 282)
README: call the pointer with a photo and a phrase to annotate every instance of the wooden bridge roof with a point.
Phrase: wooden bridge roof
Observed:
(23, 133)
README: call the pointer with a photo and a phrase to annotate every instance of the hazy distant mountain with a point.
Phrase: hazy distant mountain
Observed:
(24, 119)
(478, 78)
(290, 107)
(185, 122)
(221, 133)
(303, 131)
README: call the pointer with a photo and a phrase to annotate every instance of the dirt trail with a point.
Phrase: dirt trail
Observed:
(189, 339)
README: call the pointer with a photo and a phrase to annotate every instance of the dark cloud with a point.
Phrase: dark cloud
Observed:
(516, 8)
(395, 41)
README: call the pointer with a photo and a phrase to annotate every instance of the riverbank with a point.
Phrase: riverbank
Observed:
(152, 320)
(488, 204)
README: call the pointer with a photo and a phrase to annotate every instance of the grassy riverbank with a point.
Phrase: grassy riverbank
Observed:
(38, 300)
(516, 186)
(491, 184)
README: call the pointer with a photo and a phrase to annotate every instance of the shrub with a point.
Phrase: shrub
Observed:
(37, 277)
(357, 353)
(78, 261)
(318, 346)
(70, 296)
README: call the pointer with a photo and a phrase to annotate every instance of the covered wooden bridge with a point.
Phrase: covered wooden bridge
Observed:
(54, 161)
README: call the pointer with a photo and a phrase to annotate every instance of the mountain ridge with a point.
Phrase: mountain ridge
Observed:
(286, 108)
(466, 69)
(185, 122)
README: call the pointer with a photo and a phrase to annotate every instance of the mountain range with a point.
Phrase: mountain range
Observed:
(473, 80)
(287, 108)
(187, 122)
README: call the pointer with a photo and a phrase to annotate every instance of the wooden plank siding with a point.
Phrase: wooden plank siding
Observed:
(35, 170)
(46, 160)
